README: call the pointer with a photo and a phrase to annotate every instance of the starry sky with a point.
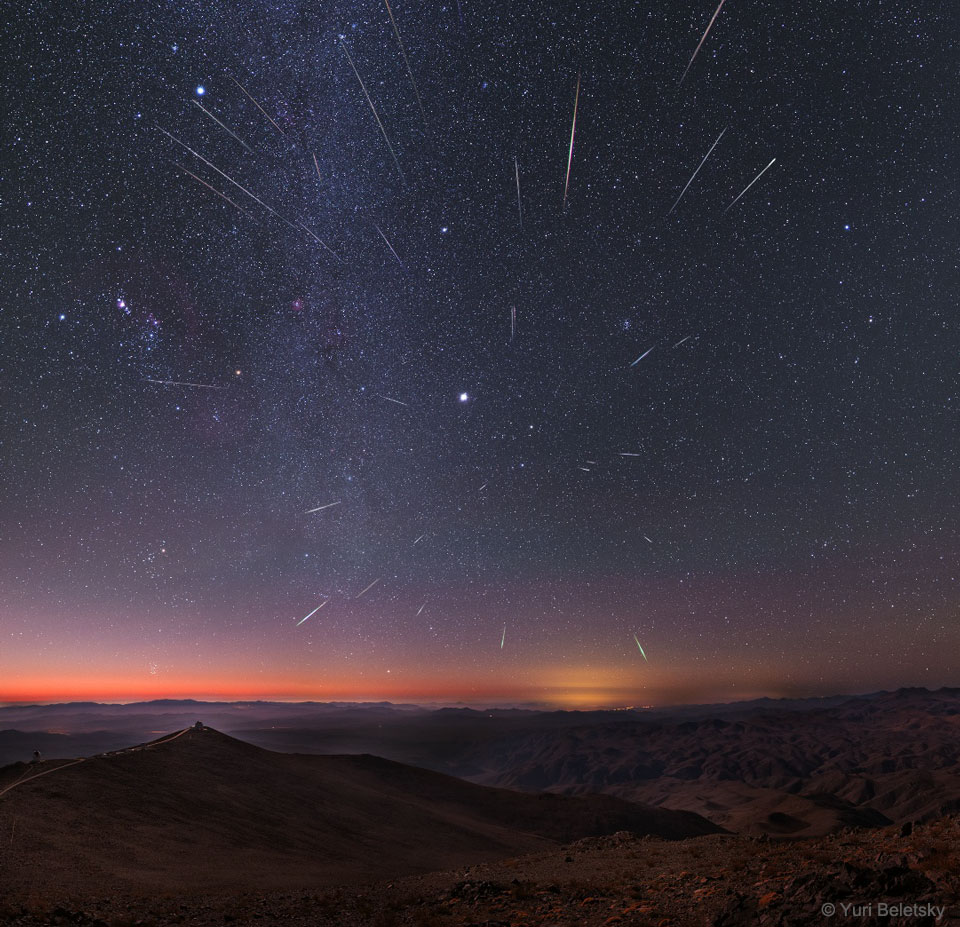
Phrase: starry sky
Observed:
(252, 268)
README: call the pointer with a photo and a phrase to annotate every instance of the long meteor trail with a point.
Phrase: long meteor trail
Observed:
(749, 185)
(387, 240)
(573, 131)
(215, 190)
(503, 637)
(702, 40)
(641, 649)
(258, 106)
(320, 241)
(320, 508)
(302, 620)
(406, 61)
(642, 356)
(229, 132)
(516, 171)
(257, 199)
(697, 171)
(209, 164)
(368, 588)
(181, 383)
(373, 109)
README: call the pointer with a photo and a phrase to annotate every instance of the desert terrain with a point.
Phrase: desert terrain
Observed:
(758, 813)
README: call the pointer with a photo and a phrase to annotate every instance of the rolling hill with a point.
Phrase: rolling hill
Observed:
(200, 810)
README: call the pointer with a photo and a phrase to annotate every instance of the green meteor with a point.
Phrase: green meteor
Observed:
(641, 649)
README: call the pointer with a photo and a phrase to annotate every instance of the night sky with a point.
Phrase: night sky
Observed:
(768, 499)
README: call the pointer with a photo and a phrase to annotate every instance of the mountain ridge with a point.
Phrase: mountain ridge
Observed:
(200, 809)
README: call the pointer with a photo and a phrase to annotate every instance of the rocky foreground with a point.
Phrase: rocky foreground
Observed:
(891, 876)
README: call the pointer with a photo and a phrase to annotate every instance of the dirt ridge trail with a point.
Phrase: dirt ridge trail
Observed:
(83, 759)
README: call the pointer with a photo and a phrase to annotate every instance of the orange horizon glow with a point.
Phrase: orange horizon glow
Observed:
(624, 680)
(562, 685)
(576, 693)
(128, 689)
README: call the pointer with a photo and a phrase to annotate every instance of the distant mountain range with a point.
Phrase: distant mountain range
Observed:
(791, 767)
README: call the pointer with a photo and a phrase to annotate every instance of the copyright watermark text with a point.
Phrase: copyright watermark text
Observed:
(883, 909)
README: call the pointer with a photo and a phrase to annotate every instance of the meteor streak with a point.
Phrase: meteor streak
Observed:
(421, 608)
(377, 580)
(257, 199)
(215, 190)
(397, 401)
(373, 109)
(641, 649)
(681, 341)
(225, 176)
(229, 132)
(629, 454)
(697, 171)
(516, 170)
(503, 636)
(573, 130)
(748, 186)
(702, 40)
(419, 539)
(642, 356)
(387, 240)
(302, 620)
(321, 242)
(258, 106)
(513, 321)
(320, 508)
(181, 383)
(403, 52)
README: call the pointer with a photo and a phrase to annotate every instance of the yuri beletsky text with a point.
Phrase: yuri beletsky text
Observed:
(884, 909)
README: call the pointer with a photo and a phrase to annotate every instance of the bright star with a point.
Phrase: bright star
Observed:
(201, 90)
(464, 397)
